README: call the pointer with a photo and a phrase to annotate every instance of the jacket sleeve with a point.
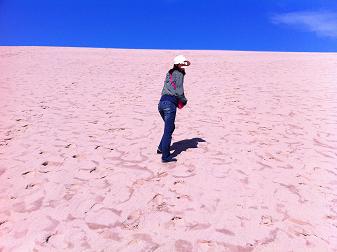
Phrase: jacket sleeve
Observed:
(179, 80)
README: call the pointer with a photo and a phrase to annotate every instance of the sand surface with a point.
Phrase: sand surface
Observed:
(256, 148)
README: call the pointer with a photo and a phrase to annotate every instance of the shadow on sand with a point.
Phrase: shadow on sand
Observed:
(184, 145)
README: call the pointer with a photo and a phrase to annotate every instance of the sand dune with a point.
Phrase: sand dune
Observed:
(256, 149)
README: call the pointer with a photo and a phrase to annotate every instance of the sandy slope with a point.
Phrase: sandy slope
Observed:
(256, 149)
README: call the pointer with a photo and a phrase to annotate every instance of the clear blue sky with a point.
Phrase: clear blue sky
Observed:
(267, 25)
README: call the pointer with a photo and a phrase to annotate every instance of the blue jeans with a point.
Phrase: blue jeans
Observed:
(167, 111)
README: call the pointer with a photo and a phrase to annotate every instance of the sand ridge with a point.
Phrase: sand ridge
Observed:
(256, 148)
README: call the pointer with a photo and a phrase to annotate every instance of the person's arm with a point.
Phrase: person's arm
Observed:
(179, 80)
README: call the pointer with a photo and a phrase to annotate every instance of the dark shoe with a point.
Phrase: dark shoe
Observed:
(167, 160)
(159, 151)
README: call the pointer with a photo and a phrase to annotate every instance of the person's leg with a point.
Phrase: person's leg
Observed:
(160, 147)
(169, 118)
(161, 111)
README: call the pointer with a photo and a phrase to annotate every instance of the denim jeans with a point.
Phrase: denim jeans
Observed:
(167, 111)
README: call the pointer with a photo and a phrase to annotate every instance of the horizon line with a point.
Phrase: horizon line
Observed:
(165, 49)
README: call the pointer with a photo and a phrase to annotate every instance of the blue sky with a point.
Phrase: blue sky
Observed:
(263, 25)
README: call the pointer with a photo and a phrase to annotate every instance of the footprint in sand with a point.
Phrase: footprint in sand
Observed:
(133, 220)
(158, 203)
(3, 222)
(46, 240)
(183, 246)
(93, 169)
(266, 220)
(30, 186)
(178, 182)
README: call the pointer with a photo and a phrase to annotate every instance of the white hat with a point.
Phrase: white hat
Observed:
(180, 59)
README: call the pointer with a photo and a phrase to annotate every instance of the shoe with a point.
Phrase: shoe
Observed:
(167, 160)
(159, 151)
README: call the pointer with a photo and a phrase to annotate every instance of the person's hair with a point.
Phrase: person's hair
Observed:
(175, 67)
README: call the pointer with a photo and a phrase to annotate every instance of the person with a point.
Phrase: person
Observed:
(172, 96)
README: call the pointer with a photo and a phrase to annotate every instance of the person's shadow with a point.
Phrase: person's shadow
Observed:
(183, 145)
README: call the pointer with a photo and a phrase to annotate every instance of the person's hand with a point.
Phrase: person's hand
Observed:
(180, 105)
